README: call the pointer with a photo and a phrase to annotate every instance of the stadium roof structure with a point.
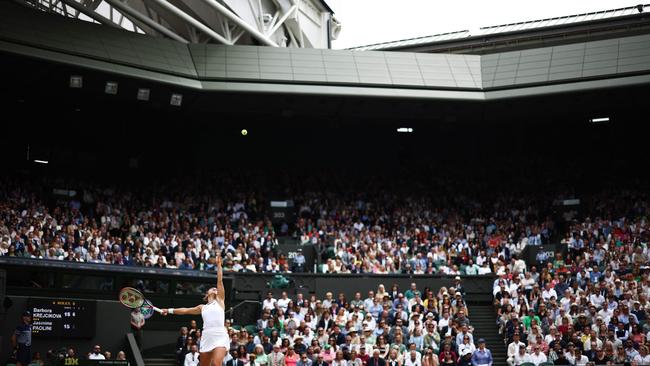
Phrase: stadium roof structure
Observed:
(578, 66)
(585, 26)
(274, 23)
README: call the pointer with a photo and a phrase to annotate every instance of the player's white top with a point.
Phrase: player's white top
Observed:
(213, 317)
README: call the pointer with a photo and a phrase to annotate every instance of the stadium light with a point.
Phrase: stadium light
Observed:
(143, 94)
(405, 130)
(111, 88)
(76, 81)
(599, 120)
(176, 100)
(41, 161)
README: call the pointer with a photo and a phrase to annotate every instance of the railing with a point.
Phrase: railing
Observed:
(136, 356)
(240, 304)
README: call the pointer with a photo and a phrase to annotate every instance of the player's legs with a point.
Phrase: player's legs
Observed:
(218, 354)
(205, 358)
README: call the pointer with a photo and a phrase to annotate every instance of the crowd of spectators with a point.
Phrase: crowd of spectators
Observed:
(384, 230)
(588, 303)
(369, 233)
(58, 357)
(416, 327)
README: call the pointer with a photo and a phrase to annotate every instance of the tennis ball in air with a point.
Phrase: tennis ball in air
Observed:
(244, 132)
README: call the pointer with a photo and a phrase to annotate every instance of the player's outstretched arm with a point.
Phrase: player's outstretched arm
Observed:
(183, 311)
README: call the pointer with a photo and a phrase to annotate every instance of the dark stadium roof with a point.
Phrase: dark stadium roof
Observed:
(507, 28)
(622, 59)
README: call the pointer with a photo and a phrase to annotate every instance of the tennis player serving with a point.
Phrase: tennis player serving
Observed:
(215, 341)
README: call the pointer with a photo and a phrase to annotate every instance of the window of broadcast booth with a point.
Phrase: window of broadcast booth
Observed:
(30, 279)
(148, 286)
(192, 288)
(85, 282)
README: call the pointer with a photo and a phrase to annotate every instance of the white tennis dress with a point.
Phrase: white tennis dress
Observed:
(214, 332)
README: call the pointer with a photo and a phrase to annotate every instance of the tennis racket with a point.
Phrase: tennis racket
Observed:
(147, 309)
(134, 299)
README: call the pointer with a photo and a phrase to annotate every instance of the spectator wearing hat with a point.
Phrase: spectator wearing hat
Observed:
(465, 358)
(368, 335)
(328, 353)
(21, 340)
(276, 357)
(298, 345)
(458, 286)
(482, 356)
(291, 357)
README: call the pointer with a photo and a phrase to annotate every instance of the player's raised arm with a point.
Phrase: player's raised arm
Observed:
(221, 292)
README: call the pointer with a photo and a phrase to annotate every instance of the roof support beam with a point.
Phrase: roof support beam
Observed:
(233, 17)
(192, 21)
(282, 20)
(122, 7)
(90, 13)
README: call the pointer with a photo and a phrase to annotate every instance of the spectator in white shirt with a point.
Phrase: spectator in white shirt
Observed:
(192, 358)
(548, 292)
(643, 358)
(513, 348)
(96, 354)
(579, 359)
(412, 359)
(283, 302)
(537, 357)
(519, 358)
(269, 303)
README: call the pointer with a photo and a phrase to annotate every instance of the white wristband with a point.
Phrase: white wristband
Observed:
(170, 311)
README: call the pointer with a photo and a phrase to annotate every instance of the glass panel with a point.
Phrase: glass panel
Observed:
(36, 279)
(192, 288)
(87, 282)
(148, 286)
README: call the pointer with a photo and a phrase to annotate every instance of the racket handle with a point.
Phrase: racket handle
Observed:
(157, 310)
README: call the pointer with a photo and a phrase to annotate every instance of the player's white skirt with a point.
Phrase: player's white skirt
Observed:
(213, 338)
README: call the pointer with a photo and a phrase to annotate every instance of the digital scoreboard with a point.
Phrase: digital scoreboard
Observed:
(63, 318)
